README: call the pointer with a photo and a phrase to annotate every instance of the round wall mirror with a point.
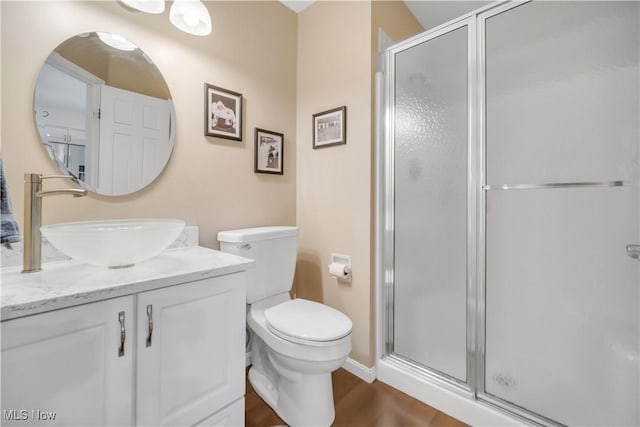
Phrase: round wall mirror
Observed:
(104, 113)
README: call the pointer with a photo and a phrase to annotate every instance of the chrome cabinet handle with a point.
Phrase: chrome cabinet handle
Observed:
(123, 334)
(149, 324)
(634, 251)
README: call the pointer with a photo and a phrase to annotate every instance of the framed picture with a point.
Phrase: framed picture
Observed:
(222, 113)
(269, 152)
(330, 127)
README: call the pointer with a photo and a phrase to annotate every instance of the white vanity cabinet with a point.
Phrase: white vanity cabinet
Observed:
(70, 362)
(182, 362)
(190, 349)
(65, 135)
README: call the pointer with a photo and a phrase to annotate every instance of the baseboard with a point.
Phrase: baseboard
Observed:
(359, 370)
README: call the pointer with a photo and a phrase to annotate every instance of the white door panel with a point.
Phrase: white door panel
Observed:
(139, 126)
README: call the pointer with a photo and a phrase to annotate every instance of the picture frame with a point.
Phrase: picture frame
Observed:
(223, 115)
(330, 128)
(269, 152)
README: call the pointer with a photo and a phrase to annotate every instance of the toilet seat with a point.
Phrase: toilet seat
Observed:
(320, 351)
(303, 321)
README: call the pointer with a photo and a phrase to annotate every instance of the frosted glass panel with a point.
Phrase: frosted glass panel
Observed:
(562, 296)
(562, 92)
(562, 303)
(430, 203)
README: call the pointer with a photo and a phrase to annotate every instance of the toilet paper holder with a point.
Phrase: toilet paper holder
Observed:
(340, 267)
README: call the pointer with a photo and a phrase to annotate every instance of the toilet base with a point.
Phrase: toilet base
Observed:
(293, 378)
(263, 387)
(305, 402)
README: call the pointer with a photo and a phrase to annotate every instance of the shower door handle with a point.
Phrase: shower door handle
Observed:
(634, 251)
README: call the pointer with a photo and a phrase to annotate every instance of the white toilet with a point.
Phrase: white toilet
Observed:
(296, 343)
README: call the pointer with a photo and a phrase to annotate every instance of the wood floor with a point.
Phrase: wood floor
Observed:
(359, 404)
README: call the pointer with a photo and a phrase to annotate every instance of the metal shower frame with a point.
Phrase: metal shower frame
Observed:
(474, 386)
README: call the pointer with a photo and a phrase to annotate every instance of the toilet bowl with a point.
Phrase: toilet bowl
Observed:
(291, 374)
(296, 343)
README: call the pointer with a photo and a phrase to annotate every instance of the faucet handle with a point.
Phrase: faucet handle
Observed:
(75, 192)
(37, 178)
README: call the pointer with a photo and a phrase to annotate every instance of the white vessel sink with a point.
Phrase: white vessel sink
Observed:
(113, 243)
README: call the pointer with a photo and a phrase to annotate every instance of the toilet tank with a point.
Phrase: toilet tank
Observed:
(274, 250)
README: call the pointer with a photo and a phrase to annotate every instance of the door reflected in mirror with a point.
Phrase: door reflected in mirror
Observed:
(104, 113)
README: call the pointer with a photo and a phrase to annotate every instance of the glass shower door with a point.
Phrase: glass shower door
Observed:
(562, 203)
(430, 138)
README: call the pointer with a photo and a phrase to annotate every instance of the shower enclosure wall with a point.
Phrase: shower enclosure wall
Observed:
(508, 209)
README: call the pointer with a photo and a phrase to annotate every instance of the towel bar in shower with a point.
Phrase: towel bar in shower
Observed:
(557, 185)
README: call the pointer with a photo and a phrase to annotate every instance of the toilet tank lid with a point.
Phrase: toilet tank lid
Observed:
(256, 233)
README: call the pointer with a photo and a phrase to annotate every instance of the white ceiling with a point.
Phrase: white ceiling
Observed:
(433, 13)
(429, 13)
(296, 5)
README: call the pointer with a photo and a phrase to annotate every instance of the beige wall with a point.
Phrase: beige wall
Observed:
(208, 181)
(288, 68)
(395, 19)
(337, 42)
(334, 69)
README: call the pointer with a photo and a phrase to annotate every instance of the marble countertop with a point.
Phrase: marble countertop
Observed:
(67, 283)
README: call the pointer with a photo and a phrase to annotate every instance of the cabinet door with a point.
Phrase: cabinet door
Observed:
(56, 134)
(192, 364)
(77, 137)
(231, 416)
(64, 367)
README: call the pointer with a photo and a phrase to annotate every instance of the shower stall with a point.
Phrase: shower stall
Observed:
(508, 166)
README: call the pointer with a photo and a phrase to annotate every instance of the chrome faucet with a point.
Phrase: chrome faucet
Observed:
(33, 194)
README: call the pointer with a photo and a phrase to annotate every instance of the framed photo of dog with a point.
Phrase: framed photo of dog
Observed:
(269, 156)
(222, 113)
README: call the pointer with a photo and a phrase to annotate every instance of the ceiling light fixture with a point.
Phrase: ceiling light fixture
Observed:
(149, 6)
(116, 41)
(191, 16)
